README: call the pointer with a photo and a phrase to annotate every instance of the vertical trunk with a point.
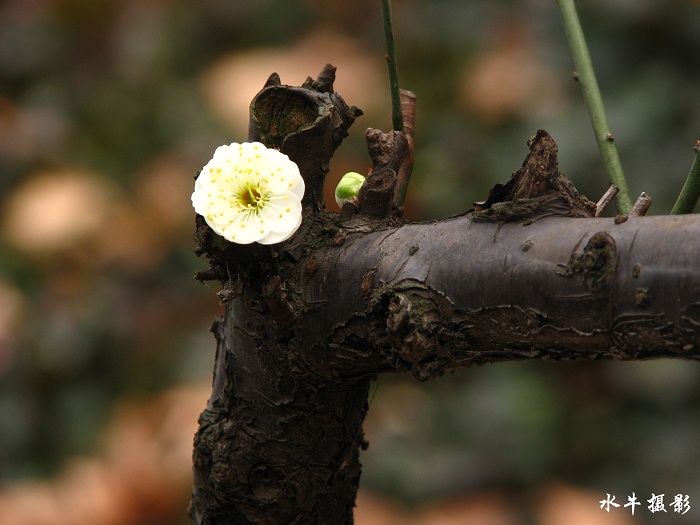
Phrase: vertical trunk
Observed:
(279, 440)
(275, 444)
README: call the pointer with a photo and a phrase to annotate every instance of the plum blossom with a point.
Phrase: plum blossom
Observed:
(250, 193)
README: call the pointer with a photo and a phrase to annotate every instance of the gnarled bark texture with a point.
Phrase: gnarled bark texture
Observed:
(528, 274)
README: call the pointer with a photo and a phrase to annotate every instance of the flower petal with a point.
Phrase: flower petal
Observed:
(274, 237)
(282, 212)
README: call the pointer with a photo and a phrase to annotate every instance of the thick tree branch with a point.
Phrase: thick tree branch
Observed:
(528, 274)
(452, 293)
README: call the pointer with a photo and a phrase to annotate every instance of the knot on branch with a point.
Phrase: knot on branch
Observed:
(412, 315)
(596, 264)
(537, 188)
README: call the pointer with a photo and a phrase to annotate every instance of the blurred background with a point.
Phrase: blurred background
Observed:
(107, 111)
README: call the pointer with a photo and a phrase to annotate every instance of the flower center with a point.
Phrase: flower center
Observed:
(252, 198)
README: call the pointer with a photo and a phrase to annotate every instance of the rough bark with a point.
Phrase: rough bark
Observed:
(528, 274)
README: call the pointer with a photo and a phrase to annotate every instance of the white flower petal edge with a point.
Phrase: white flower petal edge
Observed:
(250, 193)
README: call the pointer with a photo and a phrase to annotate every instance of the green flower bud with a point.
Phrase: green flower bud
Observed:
(348, 187)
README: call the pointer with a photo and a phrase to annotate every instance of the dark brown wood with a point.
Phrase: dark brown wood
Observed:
(528, 274)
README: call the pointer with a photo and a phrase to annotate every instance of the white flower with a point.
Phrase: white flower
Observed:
(249, 193)
(348, 187)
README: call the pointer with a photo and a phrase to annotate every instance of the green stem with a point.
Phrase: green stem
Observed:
(591, 94)
(396, 116)
(691, 189)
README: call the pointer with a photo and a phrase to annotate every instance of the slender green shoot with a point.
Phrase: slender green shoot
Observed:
(591, 94)
(691, 189)
(396, 115)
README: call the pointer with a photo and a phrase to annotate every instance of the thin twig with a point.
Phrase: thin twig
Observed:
(691, 189)
(591, 94)
(396, 116)
(641, 206)
(606, 199)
